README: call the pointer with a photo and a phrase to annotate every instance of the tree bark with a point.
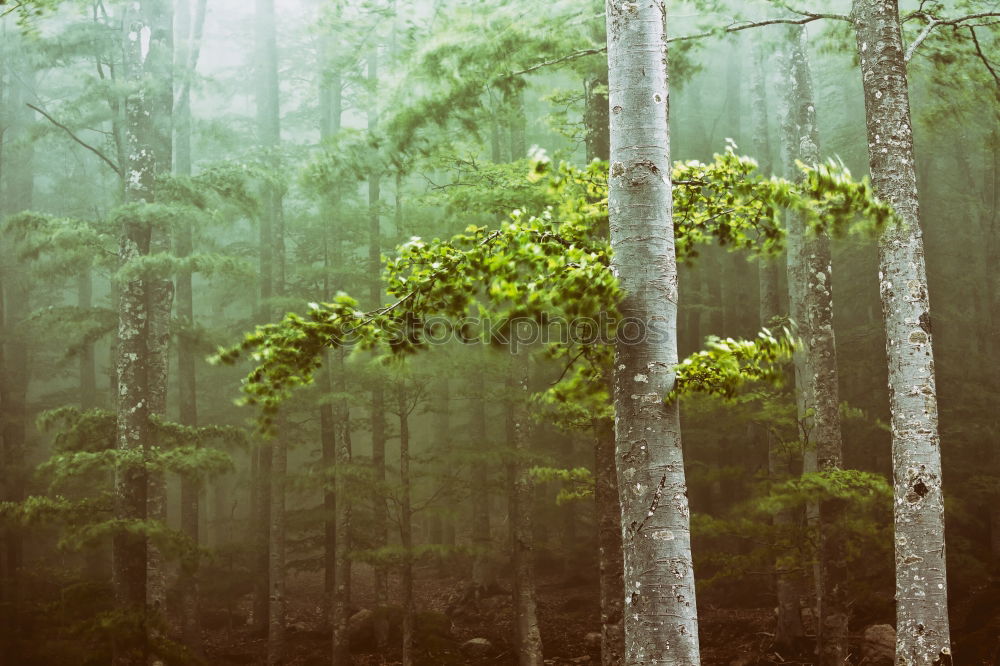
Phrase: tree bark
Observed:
(527, 637)
(129, 554)
(158, 66)
(340, 648)
(185, 59)
(15, 372)
(661, 623)
(609, 541)
(922, 631)
(269, 135)
(483, 569)
(811, 306)
(405, 522)
(596, 118)
(380, 517)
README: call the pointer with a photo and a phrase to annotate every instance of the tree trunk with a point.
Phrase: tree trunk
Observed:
(922, 631)
(185, 58)
(158, 66)
(789, 632)
(340, 648)
(380, 518)
(661, 623)
(596, 118)
(609, 542)
(443, 436)
(769, 275)
(130, 645)
(520, 494)
(329, 126)
(269, 135)
(483, 569)
(518, 126)
(811, 306)
(88, 364)
(15, 372)
(405, 522)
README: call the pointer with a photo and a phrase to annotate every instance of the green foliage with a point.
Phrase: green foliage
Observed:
(577, 483)
(554, 266)
(860, 504)
(729, 203)
(726, 365)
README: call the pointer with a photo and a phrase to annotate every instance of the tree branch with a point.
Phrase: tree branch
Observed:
(557, 61)
(73, 136)
(733, 27)
(934, 22)
(982, 56)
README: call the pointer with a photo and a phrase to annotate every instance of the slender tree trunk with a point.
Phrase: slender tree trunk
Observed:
(518, 127)
(789, 632)
(483, 570)
(609, 542)
(158, 66)
(380, 519)
(88, 364)
(132, 363)
(769, 275)
(340, 648)
(185, 59)
(922, 631)
(269, 135)
(596, 118)
(520, 495)
(15, 374)
(97, 556)
(406, 523)
(443, 435)
(661, 622)
(811, 306)
(330, 103)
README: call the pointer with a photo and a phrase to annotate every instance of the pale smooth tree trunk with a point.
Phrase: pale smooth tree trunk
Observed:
(527, 636)
(816, 379)
(922, 631)
(661, 621)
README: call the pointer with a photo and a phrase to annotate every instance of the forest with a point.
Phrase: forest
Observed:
(442, 332)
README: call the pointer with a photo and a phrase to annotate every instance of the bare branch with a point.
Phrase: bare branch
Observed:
(73, 136)
(557, 61)
(934, 22)
(982, 56)
(733, 27)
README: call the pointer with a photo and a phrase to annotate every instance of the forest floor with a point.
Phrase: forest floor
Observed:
(568, 608)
